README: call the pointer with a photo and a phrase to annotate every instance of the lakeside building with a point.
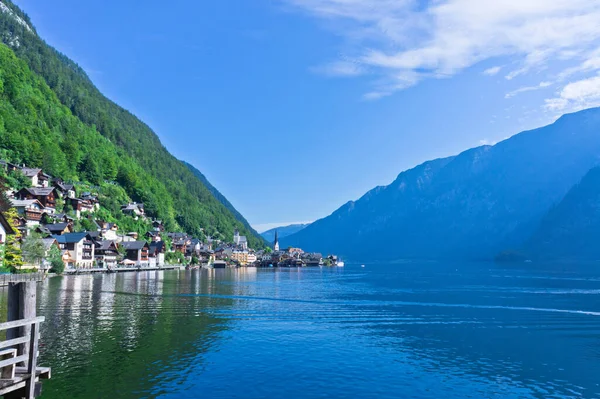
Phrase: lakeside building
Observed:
(100, 246)
(77, 249)
(106, 253)
(137, 252)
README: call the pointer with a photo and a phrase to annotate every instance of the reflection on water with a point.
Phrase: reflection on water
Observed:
(416, 331)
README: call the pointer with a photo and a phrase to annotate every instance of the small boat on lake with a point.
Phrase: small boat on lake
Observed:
(340, 263)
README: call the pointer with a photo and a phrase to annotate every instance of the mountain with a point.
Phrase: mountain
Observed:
(132, 154)
(282, 232)
(469, 206)
(571, 229)
(221, 198)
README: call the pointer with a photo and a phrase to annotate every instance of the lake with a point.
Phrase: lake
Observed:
(396, 331)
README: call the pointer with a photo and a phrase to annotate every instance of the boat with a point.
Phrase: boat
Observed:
(362, 265)
(340, 263)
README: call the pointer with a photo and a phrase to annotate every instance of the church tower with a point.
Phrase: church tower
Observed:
(276, 243)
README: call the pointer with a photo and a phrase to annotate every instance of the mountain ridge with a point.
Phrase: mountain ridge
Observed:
(282, 231)
(468, 206)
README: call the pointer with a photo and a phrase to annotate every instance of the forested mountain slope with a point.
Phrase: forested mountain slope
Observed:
(149, 173)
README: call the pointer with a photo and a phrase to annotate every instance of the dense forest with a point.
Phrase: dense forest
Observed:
(53, 117)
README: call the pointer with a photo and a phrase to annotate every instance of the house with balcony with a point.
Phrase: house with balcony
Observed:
(80, 205)
(31, 210)
(63, 189)
(46, 196)
(137, 251)
(106, 253)
(37, 177)
(156, 253)
(77, 249)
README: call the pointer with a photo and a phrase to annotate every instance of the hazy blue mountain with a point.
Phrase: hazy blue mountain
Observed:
(571, 230)
(282, 231)
(469, 206)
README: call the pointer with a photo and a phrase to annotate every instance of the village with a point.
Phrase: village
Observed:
(103, 247)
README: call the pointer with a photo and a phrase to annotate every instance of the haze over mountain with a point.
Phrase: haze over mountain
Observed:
(571, 229)
(282, 231)
(470, 206)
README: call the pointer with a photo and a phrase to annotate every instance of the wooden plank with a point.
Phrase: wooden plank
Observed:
(15, 341)
(31, 367)
(21, 323)
(14, 360)
(10, 351)
(8, 372)
(42, 372)
(11, 388)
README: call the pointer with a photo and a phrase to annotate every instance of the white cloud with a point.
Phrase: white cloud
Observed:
(575, 96)
(340, 69)
(492, 71)
(435, 39)
(520, 90)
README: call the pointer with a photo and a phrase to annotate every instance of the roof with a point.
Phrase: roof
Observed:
(70, 238)
(48, 242)
(25, 203)
(134, 245)
(6, 225)
(132, 206)
(30, 172)
(64, 186)
(41, 191)
(105, 245)
(56, 227)
(157, 246)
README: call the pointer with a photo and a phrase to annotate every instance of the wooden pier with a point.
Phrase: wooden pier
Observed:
(20, 375)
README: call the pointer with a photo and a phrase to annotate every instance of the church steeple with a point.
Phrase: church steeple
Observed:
(276, 243)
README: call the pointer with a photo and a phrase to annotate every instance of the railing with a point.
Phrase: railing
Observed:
(19, 278)
(25, 333)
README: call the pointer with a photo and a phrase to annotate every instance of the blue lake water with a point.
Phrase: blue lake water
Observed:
(395, 331)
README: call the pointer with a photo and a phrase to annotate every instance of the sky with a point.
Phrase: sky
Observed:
(291, 108)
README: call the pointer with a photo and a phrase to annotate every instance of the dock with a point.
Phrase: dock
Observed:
(20, 374)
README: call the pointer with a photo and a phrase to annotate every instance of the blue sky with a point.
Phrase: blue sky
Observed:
(293, 107)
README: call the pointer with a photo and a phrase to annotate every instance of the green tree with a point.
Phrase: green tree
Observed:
(56, 262)
(33, 249)
(4, 201)
(13, 258)
(268, 250)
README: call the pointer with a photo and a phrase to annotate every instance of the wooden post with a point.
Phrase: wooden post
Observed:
(31, 368)
(21, 305)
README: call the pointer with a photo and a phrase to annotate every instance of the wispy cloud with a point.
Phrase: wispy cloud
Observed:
(492, 71)
(396, 39)
(340, 69)
(520, 90)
